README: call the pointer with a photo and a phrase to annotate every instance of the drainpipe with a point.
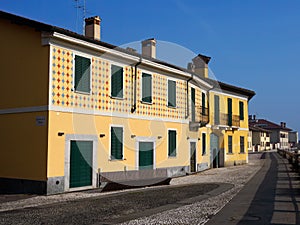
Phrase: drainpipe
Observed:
(133, 108)
(187, 97)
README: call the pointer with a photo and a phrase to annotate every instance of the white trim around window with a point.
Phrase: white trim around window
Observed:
(123, 152)
(176, 149)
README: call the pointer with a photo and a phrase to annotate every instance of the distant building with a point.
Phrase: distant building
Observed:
(293, 138)
(279, 136)
(260, 138)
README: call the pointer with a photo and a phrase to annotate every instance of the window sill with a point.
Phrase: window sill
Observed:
(204, 154)
(117, 98)
(147, 103)
(116, 160)
(82, 92)
(172, 107)
(172, 157)
(242, 153)
(229, 153)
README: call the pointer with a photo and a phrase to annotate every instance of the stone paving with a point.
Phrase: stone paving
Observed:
(195, 213)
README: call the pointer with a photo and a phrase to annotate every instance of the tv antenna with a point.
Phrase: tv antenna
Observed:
(80, 13)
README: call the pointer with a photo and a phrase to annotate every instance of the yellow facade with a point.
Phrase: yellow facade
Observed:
(44, 113)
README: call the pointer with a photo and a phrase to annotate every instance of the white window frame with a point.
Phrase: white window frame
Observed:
(123, 152)
(124, 80)
(176, 149)
(91, 72)
(176, 105)
(141, 88)
(144, 139)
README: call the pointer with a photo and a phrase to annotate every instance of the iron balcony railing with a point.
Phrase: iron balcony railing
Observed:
(200, 115)
(227, 120)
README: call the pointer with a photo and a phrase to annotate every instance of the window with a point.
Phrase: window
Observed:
(229, 144)
(172, 143)
(116, 146)
(82, 74)
(242, 144)
(146, 88)
(203, 104)
(229, 109)
(217, 109)
(241, 104)
(171, 93)
(116, 81)
(203, 143)
(193, 101)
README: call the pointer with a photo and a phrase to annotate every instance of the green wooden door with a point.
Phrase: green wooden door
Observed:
(145, 155)
(81, 160)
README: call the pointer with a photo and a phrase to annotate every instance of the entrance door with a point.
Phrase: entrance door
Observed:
(214, 150)
(145, 155)
(193, 157)
(81, 161)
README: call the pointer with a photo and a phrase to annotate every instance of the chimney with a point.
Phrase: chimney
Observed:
(191, 67)
(92, 27)
(250, 117)
(149, 48)
(201, 65)
(283, 124)
(254, 117)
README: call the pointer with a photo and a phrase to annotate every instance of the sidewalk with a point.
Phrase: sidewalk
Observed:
(272, 196)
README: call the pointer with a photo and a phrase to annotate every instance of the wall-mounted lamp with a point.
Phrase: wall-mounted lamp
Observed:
(102, 135)
(188, 138)
(133, 136)
(199, 139)
(159, 137)
(60, 134)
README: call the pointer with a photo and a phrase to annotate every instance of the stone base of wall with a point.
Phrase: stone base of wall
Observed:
(22, 186)
(202, 166)
(235, 162)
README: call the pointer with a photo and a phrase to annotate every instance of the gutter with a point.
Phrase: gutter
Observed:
(134, 77)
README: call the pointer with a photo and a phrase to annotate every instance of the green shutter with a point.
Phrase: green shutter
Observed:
(230, 144)
(116, 143)
(171, 93)
(203, 143)
(203, 104)
(172, 143)
(241, 110)
(217, 109)
(116, 81)
(193, 101)
(229, 107)
(82, 74)
(81, 159)
(146, 88)
(242, 144)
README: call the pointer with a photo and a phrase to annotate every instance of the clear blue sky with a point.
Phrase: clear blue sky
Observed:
(253, 44)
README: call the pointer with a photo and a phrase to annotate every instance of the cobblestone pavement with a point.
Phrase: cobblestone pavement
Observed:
(193, 212)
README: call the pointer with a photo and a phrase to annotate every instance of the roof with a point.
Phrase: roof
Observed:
(258, 129)
(268, 125)
(50, 28)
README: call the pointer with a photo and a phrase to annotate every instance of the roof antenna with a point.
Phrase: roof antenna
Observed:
(80, 6)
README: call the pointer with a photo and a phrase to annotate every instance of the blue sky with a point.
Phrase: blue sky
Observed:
(253, 44)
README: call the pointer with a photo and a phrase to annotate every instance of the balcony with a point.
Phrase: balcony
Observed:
(225, 119)
(199, 118)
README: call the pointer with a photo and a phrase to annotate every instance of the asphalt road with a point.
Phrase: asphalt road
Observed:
(116, 208)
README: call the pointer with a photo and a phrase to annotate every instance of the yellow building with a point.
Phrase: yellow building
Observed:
(78, 112)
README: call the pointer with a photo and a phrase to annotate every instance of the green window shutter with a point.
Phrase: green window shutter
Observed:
(172, 143)
(217, 109)
(116, 81)
(229, 107)
(203, 143)
(116, 143)
(171, 93)
(82, 74)
(230, 144)
(241, 110)
(203, 104)
(146, 87)
(242, 144)
(193, 102)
